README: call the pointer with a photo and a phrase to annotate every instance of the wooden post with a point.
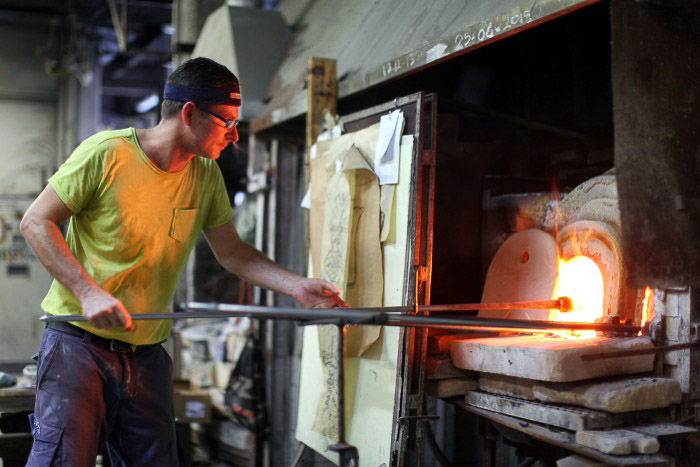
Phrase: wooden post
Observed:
(322, 90)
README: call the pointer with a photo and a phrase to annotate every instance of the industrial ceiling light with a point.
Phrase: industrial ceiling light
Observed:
(147, 104)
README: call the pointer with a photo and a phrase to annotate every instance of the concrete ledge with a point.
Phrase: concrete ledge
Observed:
(450, 387)
(507, 386)
(626, 395)
(618, 441)
(550, 359)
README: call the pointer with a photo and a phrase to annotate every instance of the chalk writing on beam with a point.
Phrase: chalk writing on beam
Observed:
(468, 37)
(474, 35)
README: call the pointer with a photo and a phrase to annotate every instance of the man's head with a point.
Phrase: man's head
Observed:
(205, 96)
(200, 73)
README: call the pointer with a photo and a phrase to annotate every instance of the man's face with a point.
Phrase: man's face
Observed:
(213, 136)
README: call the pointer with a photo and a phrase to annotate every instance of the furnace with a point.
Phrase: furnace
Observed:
(575, 380)
(574, 253)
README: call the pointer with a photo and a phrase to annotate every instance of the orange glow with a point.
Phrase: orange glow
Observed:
(580, 279)
(647, 306)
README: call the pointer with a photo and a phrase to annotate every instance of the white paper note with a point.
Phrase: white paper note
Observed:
(306, 200)
(386, 156)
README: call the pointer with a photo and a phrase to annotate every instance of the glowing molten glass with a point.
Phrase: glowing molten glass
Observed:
(580, 279)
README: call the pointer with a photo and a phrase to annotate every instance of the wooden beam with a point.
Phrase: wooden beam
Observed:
(322, 91)
(16, 399)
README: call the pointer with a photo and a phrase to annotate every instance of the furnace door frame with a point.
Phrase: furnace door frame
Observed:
(420, 112)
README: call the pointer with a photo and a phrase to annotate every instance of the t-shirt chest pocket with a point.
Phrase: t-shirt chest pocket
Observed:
(182, 224)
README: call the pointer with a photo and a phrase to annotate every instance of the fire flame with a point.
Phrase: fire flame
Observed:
(580, 279)
(647, 306)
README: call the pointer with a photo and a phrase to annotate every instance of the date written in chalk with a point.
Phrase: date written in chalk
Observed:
(474, 36)
(469, 37)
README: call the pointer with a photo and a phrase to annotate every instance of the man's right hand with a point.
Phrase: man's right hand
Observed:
(104, 311)
(40, 228)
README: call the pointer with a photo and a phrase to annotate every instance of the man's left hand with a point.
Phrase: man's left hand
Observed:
(319, 293)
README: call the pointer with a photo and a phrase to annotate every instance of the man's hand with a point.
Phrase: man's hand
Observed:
(104, 311)
(318, 293)
(40, 228)
(251, 265)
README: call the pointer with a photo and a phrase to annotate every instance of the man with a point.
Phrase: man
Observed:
(137, 200)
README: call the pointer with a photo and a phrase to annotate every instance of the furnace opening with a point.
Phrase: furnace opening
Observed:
(580, 279)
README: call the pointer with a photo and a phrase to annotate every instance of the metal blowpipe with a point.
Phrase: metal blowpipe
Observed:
(386, 316)
(563, 304)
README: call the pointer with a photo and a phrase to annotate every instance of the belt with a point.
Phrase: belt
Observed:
(113, 345)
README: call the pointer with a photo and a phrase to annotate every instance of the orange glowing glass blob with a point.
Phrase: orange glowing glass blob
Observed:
(580, 279)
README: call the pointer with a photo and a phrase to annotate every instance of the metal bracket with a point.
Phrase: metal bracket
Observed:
(657, 331)
(422, 273)
(696, 412)
(662, 3)
(694, 333)
(418, 418)
(349, 456)
(685, 203)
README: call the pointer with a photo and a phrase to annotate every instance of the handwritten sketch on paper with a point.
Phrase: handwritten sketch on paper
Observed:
(326, 418)
(335, 247)
(337, 225)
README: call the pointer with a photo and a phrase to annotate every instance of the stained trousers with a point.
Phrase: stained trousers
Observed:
(87, 394)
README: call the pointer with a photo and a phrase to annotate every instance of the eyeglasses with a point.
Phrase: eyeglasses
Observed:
(227, 123)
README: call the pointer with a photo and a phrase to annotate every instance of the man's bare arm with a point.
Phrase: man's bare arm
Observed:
(251, 265)
(40, 228)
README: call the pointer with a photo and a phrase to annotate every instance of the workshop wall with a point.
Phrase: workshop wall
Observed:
(28, 114)
(28, 122)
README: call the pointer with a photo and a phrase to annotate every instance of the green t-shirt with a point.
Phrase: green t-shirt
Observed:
(133, 226)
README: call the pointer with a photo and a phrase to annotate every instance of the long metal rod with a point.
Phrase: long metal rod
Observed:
(348, 454)
(386, 316)
(515, 325)
(341, 385)
(632, 352)
(561, 304)
(519, 121)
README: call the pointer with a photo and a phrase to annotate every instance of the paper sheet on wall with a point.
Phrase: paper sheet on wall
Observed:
(351, 258)
(306, 200)
(364, 283)
(386, 206)
(370, 380)
(335, 249)
(386, 155)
